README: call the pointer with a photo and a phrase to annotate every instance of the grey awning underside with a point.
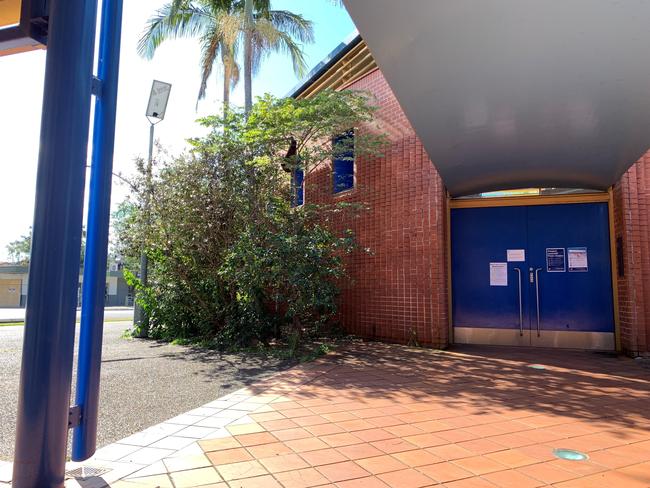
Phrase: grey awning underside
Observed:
(518, 93)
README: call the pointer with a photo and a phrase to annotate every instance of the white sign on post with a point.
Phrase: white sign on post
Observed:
(158, 99)
(498, 274)
(516, 255)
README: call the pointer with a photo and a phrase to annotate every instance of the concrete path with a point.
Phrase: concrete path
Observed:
(110, 313)
(143, 382)
(388, 416)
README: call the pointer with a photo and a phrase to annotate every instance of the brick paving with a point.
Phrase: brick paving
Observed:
(378, 415)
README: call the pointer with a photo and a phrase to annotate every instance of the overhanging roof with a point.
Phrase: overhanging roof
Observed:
(518, 93)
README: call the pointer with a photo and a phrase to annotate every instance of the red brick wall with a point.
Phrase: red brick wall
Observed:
(631, 220)
(400, 289)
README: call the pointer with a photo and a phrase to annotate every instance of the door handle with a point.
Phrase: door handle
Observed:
(521, 314)
(537, 296)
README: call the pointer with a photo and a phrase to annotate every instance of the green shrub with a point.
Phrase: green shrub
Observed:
(230, 260)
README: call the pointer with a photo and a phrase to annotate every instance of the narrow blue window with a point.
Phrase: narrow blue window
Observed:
(298, 187)
(343, 164)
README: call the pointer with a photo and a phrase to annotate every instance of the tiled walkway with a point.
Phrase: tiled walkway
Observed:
(376, 415)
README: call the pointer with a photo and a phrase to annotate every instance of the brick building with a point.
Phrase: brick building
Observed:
(445, 270)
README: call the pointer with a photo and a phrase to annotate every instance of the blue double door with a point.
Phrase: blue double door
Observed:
(536, 275)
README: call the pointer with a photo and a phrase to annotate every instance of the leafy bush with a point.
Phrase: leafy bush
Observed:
(230, 259)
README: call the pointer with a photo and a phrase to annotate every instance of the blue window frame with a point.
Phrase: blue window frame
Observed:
(343, 164)
(298, 187)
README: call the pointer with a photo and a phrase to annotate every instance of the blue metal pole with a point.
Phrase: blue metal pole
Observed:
(46, 371)
(84, 440)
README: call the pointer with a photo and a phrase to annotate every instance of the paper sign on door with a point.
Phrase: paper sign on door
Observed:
(498, 274)
(516, 255)
(577, 258)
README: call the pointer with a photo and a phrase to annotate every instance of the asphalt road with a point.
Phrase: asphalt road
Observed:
(143, 382)
(111, 313)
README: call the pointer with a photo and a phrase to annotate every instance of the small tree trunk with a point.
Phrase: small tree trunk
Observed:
(248, 57)
(226, 89)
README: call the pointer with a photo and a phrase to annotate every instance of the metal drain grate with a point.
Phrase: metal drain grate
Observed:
(570, 455)
(85, 472)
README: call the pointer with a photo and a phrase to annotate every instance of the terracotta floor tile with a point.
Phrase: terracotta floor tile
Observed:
(547, 472)
(246, 469)
(285, 462)
(381, 464)
(342, 439)
(266, 416)
(278, 424)
(420, 457)
(342, 471)
(324, 429)
(450, 452)
(255, 439)
(297, 413)
(338, 416)
(307, 444)
(323, 456)
(512, 479)
(368, 413)
(301, 478)
(581, 468)
(390, 446)
(386, 421)
(481, 446)
(268, 450)
(445, 471)
(359, 451)
(354, 425)
(286, 405)
(195, 477)
(403, 430)
(456, 435)
(425, 440)
(432, 426)
(406, 478)
(512, 440)
(371, 435)
(291, 434)
(469, 483)
(512, 458)
(479, 465)
(310, 420)
(219, 444)
(369, 482)
(229, 456)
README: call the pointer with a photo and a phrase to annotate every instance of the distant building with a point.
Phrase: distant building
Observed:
(14, 279)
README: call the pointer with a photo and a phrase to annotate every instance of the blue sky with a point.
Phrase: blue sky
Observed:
(176, 62)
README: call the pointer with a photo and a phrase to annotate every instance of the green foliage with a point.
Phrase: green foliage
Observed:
(230, 261)
(19, 249)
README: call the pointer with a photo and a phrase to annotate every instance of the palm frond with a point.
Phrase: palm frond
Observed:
(293, 24)
(210, 47)
(179, 18)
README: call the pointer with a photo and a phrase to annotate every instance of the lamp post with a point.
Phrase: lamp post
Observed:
(155, 114)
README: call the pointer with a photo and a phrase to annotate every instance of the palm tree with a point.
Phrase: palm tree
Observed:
(222, 26)
(210, 21)
(265, 31)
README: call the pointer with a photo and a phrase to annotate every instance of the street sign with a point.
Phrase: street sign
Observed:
(158, 99)
(23, 25)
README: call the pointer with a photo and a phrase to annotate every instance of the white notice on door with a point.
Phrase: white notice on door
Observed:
(498, 274)
(577, 257)
(516, 255)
